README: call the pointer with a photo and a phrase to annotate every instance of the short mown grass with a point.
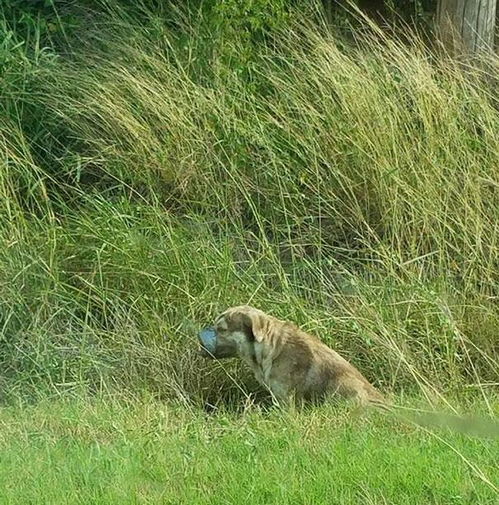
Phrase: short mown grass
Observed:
(145, 452)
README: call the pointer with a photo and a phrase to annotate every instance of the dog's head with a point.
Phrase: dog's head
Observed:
(233, 332)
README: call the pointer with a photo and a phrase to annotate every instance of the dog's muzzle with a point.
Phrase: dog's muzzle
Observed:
(208, 340)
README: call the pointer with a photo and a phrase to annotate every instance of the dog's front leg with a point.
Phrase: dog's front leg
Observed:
(282, 395)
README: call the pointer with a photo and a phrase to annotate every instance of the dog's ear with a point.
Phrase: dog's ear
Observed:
(258, 324)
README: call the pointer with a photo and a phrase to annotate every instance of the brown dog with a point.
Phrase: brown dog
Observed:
(292, 364)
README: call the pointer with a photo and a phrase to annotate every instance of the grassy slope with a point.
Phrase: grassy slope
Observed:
(153, 176)
(85, 452)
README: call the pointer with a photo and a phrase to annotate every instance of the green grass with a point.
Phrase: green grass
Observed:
(97, 452)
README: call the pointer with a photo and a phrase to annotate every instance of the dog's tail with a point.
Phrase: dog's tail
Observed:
(381, 404)
(479, 426)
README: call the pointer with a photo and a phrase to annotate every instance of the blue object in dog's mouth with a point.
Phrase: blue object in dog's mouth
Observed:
(208, 339)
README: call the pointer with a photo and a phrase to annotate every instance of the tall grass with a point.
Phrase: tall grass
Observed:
(150, 179)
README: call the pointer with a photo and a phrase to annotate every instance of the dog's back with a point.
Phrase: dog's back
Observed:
(314, 371)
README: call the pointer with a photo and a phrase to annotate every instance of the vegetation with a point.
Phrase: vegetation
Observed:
(161, 163)
(157, 169)
(118, 453)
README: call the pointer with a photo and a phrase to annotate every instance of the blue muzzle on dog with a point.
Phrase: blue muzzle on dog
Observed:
(208, 339)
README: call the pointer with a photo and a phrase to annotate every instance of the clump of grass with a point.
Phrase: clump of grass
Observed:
(350, 189)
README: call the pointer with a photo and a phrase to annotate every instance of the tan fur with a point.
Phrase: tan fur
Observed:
(292, 364)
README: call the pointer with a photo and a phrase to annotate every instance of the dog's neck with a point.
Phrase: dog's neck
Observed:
(254, 355)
